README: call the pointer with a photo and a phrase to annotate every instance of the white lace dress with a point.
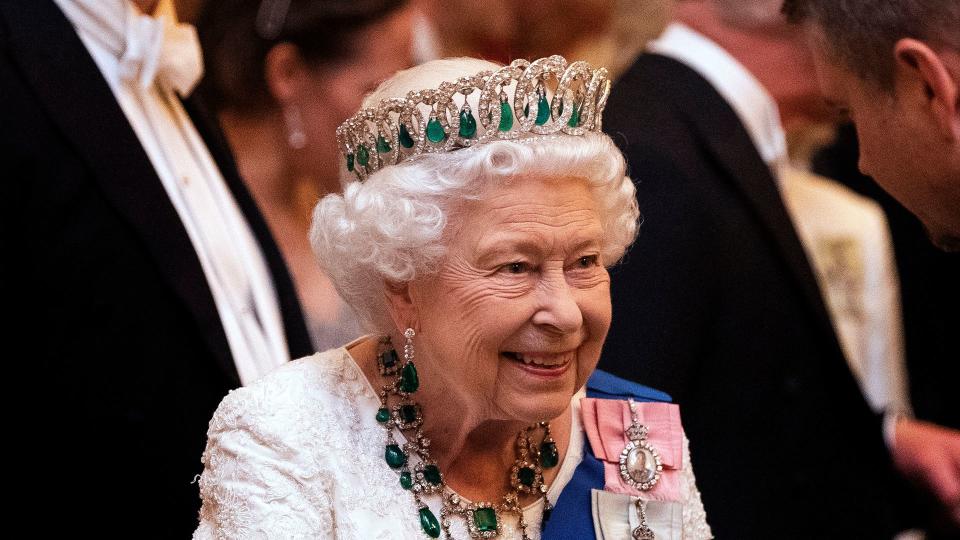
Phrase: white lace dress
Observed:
(299, 454)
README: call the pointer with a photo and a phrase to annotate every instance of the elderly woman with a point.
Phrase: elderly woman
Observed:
(481, 208)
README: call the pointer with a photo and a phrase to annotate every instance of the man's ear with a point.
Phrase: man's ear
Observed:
(937, 75)
(401, 305)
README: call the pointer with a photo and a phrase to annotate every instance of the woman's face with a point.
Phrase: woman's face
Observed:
(512, 324)
(332, 92)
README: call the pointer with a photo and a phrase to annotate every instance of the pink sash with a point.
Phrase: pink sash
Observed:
(606, 421)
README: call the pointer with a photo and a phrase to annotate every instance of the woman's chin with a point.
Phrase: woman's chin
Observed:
(535, 407)
(538, 391)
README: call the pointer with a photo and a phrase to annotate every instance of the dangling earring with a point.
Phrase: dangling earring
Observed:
(296, 137)
(409, 380)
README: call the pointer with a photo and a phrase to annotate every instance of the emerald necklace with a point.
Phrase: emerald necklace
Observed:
(399, 412)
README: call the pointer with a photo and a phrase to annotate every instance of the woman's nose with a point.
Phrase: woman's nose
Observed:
(558, 308)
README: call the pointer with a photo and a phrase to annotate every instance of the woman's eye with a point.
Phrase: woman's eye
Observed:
(515, 268)
(588, 261)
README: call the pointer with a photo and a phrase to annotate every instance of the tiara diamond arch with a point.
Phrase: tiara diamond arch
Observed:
(506, 104)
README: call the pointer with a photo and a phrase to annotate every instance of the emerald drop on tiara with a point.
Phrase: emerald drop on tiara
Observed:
(406, 140)
(506, 117)
(468, 124)
(383, 146)
(435, 133)
(363, 156)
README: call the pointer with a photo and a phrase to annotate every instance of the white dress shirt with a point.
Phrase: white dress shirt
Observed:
(147, 61)
(845, 236)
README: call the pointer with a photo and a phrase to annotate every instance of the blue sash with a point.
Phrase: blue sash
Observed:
(572, 516)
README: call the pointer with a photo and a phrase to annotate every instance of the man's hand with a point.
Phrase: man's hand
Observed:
(930, 455)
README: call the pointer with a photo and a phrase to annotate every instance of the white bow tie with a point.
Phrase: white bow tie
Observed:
(149, 49)
(162, 50)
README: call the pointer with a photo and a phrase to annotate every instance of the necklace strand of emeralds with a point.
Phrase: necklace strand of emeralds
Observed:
(399, 412)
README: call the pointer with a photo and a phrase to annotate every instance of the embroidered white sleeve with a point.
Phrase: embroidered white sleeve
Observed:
(695, 525)
(258, 480)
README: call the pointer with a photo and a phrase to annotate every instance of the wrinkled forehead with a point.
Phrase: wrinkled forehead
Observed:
(533, 208)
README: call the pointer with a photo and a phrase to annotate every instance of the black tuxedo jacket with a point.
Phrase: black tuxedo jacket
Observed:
(121, 354)
(717, 304)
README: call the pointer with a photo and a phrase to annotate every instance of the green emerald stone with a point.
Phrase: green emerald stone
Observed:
(409, 381)
(543, 110)
(389, 359)
(526, 476)
(526, 110)
(429, 523)
(406, 140)
(431, 473)
(574, 117)
(408, 413)
(506, 117)
(383, 415)
(485, 519)
(363, 155)
(406, 481)
(435, 133)
(468, 124)
(350, 162)
(395, 457)
(382, 145)
(549, 456)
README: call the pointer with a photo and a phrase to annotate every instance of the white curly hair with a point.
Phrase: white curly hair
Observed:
(394, 226)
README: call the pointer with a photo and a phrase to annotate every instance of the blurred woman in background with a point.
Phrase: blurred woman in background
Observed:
(282, 75)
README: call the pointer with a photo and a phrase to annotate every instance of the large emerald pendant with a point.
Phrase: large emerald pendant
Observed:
(485, 520)
(549, 456)
(394, 456)
(435, 133)
(526, 476)
(506, 116)
(408, 413)
(431, 473)
(409, 381)
(429, 523)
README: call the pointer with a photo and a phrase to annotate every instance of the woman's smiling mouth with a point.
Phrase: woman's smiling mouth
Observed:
(541, 363)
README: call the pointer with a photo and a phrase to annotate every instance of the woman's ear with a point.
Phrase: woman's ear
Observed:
(931, 74)
(284, 71)
(401, 305)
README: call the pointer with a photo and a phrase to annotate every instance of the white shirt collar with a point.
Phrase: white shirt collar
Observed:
(748, 98)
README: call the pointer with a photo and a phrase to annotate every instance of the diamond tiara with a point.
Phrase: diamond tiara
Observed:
(436, 120)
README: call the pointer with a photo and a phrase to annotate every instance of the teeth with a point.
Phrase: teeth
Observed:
(552, 360)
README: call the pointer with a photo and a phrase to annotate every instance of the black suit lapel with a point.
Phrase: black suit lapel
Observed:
(723, 134)
(298, 338)
(67, 81)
